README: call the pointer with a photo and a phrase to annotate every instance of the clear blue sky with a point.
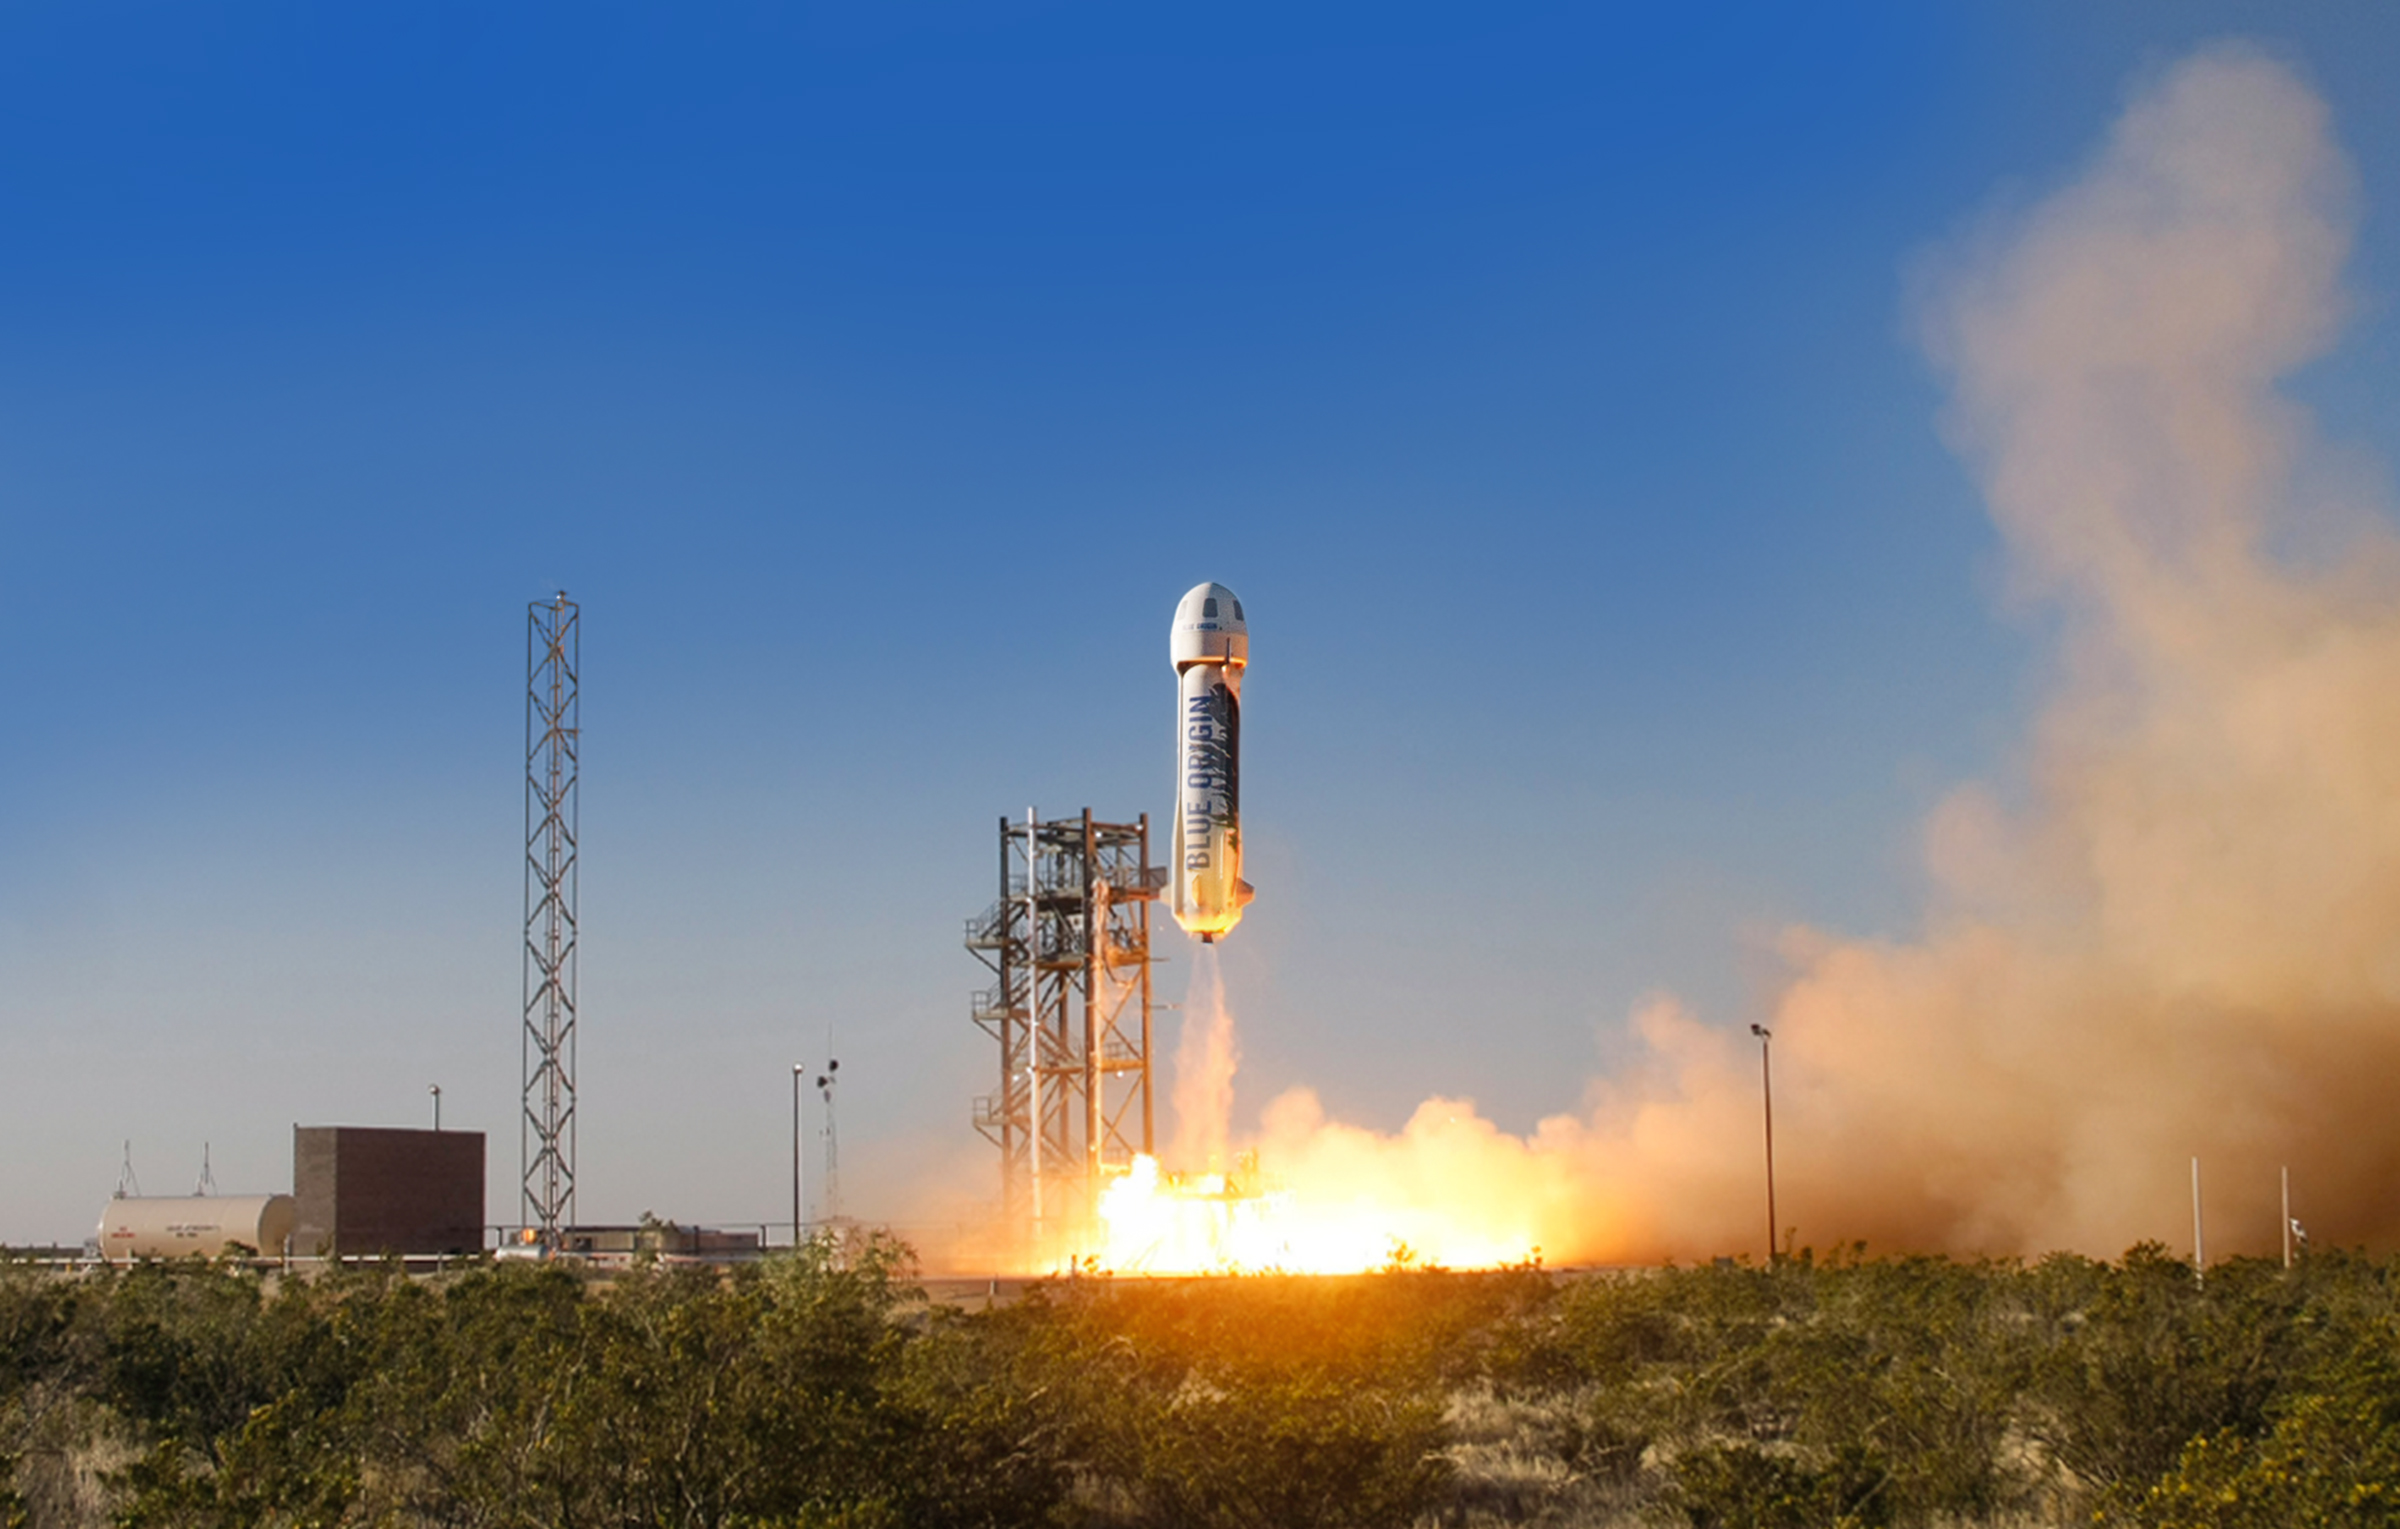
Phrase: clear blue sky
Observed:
(877, 378)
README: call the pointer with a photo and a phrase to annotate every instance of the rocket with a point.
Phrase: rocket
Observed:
(1210, 644)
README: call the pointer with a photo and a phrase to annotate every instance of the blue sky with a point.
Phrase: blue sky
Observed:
(1541, 376)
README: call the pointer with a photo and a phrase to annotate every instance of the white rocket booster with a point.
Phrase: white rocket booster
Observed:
(1211, 647)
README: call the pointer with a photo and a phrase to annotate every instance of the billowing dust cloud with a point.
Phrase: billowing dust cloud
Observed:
(2180, 934)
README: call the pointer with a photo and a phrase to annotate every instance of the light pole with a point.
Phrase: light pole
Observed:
(435, 1089)
(1766, 1084)
(831, 1204)
(799, 1070)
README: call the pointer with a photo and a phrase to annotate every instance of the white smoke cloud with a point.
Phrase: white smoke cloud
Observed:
(2175, 948)
(2186, 940)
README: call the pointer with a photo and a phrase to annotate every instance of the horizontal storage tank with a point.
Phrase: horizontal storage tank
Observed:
(204, 1226)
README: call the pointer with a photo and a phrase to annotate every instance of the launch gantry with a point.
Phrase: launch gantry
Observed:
(1069, 942)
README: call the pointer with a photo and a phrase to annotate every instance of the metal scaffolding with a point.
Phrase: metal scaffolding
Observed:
(1069, 942)
(546, 1134)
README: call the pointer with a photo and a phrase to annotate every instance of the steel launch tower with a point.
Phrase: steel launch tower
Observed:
(546, 1134)
(1069, 942)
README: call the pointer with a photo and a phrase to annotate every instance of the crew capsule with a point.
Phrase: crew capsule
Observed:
(1210, 645)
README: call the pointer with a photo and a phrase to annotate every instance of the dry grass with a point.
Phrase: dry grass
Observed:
(67, 1450)
(1532, 1461)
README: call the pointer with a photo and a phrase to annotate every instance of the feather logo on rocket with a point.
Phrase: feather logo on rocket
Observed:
(1211, 646)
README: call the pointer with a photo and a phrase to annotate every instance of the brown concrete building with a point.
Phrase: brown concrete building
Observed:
(369, 1190)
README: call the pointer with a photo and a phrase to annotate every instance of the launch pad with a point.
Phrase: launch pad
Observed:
(1068, 942)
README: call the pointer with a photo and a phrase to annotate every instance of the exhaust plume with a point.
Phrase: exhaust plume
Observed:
(1206, 1057)
(2181, 935)
(2186, 940)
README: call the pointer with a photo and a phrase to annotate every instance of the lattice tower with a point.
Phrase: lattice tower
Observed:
(1069, 942)
(546, 1138)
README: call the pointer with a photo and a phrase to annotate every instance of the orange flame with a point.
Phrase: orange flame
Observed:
(1451, 1190)
(1154, 1222)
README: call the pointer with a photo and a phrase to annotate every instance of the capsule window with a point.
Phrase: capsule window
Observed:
(1208, 608)
(1237, 611)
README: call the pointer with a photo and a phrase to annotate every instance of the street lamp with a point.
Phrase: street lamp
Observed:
(1766, 1084)
(799, 1071)
(832, 1201)
(435, 1089)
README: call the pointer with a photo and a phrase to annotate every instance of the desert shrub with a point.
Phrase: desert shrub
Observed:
(1290, 1454)
(1743, 1487)
(1921, 1363)
(2330, 1456)
(1259, 1401)
(1746, 1376)
(793, 1393)
(819, 1389)
(2147, 1358)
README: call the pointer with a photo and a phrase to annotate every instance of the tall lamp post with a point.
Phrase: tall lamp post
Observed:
(1766, 1084)
(435, 1089)
(799, 1071)
(831, 1202)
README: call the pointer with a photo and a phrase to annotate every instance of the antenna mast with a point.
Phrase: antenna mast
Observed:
(553, 741)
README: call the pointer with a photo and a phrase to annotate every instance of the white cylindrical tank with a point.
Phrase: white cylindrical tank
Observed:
(161, 1226)
(1210, 645)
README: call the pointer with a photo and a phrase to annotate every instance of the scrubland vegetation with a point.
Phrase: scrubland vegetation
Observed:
(820, 1390)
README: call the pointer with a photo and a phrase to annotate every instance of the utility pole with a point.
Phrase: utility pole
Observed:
(799, 1071)
(1766, 1084)
(2287, 1216)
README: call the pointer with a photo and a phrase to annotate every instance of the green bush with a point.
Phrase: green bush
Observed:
(820, 1389)
(1740, 1487)
(2330, 1457)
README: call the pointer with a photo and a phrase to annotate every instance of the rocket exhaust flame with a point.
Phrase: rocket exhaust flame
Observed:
(1206, 1057)
(1310, 1197)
